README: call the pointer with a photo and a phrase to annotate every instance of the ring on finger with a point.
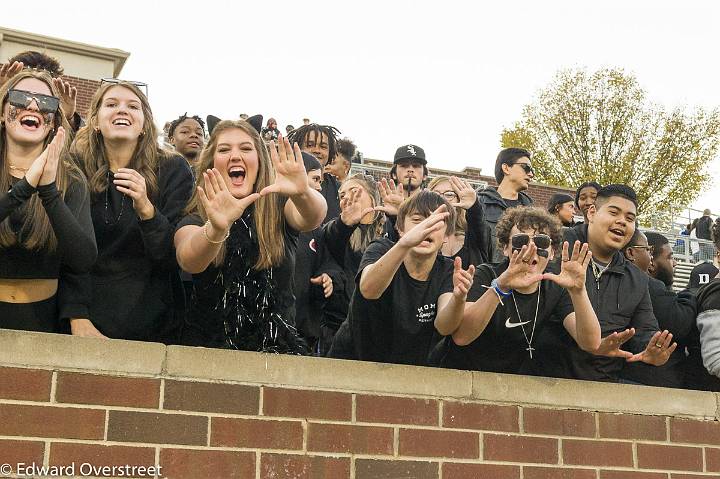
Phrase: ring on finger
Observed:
(658, 345)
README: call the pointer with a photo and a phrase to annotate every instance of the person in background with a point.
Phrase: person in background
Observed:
(562, 206)
(340, 166)
(239, 240)
(270, 131)
(288, 129)
(137, 194)
(45, 229)
(187, 135)
(585, 197)
(513, 173)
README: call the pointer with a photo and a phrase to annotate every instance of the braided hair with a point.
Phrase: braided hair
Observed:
(299, 135)
(174, 124)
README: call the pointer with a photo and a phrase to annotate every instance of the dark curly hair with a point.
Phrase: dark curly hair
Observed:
(528, 217)
(174, 124)
(299, 136)
(39, 61)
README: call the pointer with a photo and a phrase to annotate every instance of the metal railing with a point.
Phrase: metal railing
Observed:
(687, 249)
(378, 172)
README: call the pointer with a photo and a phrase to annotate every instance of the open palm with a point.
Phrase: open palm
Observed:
(573, 268)
(518, 273)
(221, 207)
(290, 174)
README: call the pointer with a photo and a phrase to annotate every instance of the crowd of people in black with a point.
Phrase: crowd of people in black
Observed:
(244, 238)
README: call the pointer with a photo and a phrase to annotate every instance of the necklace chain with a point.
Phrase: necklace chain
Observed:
(107, 204)
(529, 349)
(598, 272)
(18, 168)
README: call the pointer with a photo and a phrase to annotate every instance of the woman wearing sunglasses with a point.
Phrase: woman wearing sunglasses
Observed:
(511, 303)
(137, 195)
(239, 241)
(45, 228)
(471, 241)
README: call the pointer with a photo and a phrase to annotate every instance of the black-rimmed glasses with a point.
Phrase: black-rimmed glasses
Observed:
(542, 241)
(116, 81)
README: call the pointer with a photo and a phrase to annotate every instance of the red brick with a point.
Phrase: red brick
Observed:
(632, 475)
(558, 422)
(277, 466)
(381, 469)
(350, 439)
(107, 390)
(25, 384)
(329, 405)
(675, 475)
(498, 447)
(396, 410)
(531, 472)
(211, 397)
(65, 454)
(28, 452)
(194, 464)
(155, 428)
(256, 433)
(712, 459)
(464, 471)
(597, 453)
(434, 443)
(695, 432)
(631, 426)
(677, 458)
(487, 417)
(48, 421)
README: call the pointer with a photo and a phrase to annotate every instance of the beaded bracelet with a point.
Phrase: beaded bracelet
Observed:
(205, 227)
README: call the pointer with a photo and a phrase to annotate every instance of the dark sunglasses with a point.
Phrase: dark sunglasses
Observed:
(116, 81)
(542, 241)
(22, 99)
(525, 166)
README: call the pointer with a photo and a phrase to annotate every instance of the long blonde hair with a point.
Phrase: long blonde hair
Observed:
(359, 240)
(460, 219)
(89, 145)
(268, 213)
(36, 232)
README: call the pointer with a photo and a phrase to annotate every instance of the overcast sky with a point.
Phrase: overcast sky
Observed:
(445, 75)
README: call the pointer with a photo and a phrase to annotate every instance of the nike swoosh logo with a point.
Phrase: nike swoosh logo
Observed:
(508, 324)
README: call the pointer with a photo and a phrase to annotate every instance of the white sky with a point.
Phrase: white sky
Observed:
(446, 75)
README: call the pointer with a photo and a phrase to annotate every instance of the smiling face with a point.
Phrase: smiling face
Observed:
(365, 200)
(188, 138)
(611, 224)
(586, 198)
(28, 125)
(317, 145)
(120, 116)
(236, 158)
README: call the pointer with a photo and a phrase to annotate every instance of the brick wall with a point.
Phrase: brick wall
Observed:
(86, 90)
(201, 413)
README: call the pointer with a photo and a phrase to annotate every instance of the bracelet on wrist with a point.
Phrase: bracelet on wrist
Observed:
(500, 292)
(207, 237)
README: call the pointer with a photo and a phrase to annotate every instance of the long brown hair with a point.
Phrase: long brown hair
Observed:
(36, 232)
(359, 240)
(460, 218)
(268, 213)
(89, 145)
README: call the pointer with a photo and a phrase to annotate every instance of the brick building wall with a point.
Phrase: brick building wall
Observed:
(201, 413)
(85, 91)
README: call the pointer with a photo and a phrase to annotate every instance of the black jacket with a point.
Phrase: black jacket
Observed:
(621, 300)
(494, 206)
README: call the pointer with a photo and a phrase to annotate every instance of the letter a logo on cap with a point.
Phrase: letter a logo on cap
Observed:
(411, 150)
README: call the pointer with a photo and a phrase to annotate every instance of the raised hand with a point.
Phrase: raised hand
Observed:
(466, 194)
(351, 211)
(518, 274)
(573, 268)
(658, 350)
(68, 96)
(392, 197)
(221, 207)
(290, 174)
(132, 183)
(9, 70)
(418, 233)
(462, 279)
(326, 282)
(610, 345)
(49, 172)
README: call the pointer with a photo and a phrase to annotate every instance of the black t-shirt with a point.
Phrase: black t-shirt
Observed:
(398, 327)
(237, 306)
(502, 346)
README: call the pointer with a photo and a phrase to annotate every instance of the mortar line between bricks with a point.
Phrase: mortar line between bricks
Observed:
(157, 457)
(53, 387)
(46, 454)
(561, 459)
(440, 469)
(521, 419)
(441, 408)
(481, 445)
(352, 466)
(107, 425)
(396, 441)
(597, 424)
(704, 459)
(353, 408)
(161, 404)
(261, 402)
(667, 430)
(258, 458)
(209, 430)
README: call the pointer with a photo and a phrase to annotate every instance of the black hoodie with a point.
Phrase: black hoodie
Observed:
(494, 206)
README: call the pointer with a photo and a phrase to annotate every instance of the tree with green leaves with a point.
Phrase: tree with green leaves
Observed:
(600, 126)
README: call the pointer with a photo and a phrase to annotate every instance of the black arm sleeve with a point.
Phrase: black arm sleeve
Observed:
(18, 194)
(675, 312)
(70, 220)
(73, 294)
(336, 236)
(175, 190)
(477, 233)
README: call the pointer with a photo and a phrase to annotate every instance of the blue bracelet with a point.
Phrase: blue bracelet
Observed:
(494, 285)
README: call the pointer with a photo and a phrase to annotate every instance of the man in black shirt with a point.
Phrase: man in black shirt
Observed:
(406, 292)
(618, 291)
(515, 300)
(513, 172)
